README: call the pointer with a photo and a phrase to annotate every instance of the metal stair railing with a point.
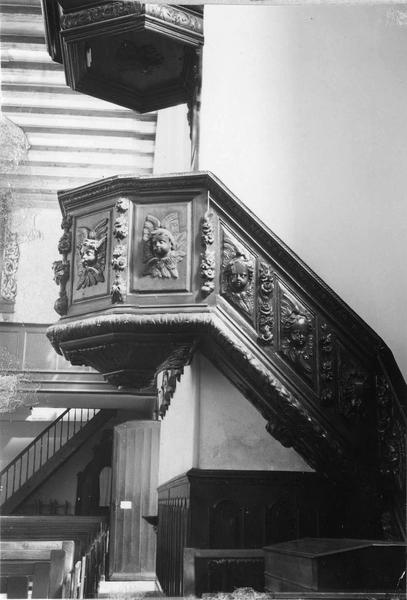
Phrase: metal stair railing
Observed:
(30, 460)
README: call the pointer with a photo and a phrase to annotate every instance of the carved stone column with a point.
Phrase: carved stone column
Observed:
(135, 479)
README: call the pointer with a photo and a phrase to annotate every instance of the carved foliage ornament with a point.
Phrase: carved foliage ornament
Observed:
(207, 255)
(237, 275)
(91, 249)
(11, 256)
(164, 246)
(265, 305)
(392, 435)
(94, 14)
(61, 268)
(297, 335)
(327, 365)
(353, 390)
(119, 253)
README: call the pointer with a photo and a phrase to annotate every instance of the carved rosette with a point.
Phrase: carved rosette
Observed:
(11, 257)
(327, 365)
(392, 435)
(353, 389)
(237, 275)
(119, 251)
(265, 319)
(297, 335)
(207, 255)
(61, 268)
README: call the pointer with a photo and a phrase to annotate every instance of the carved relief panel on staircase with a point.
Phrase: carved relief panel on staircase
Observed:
(161, 248)
(90, 251)
(354, 385)
(297, 334)
(237, 275)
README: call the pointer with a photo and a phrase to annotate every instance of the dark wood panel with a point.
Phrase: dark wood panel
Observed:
(208, 509)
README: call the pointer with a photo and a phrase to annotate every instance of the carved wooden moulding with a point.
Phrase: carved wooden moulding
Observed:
(141, 56)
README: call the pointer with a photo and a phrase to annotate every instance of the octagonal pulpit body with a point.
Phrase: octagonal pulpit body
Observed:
(131, 245)
(140, 56)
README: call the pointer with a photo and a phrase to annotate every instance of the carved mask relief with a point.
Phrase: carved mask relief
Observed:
(297, 334)
(91, 241)
(162, 247)
(353, 388)
(237, 275)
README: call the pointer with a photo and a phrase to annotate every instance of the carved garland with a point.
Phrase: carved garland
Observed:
(119, 252)
(61, 268)
(265, 305)
(207, 255)
(327, 365)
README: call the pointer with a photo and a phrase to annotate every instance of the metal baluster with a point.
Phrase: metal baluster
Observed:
(41, 451)
(54, 429)
(35, 459)
(67, 431)
(60, 433)
(47, 446)
(21, 468)
(28, 463)
(14, 478)
(6, 491)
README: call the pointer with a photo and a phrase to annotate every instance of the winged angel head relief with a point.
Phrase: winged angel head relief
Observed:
(238, 271)
(164, 246)
(91, 248)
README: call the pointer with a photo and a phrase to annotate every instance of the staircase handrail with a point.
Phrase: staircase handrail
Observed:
(38, 439)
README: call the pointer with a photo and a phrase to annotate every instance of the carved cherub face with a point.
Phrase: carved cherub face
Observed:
(299, 331)
(238, 274)
(161, 242)
(88, 253)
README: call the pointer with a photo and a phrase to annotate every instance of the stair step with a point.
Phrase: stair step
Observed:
(129, 589)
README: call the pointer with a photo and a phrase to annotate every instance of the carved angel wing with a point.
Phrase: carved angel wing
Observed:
(82, 235)
(287, 308)
(230, 250)
(100, 235)
(171, 222)
(180, 245)
(150, 224)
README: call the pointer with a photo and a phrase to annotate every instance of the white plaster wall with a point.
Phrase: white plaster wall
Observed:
(304, 117)
(211, 425)
(232, 431)
(180, 428)
(39, 231)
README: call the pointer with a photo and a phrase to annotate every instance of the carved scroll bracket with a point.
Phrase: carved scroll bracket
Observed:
(61, 268)
(170, 378)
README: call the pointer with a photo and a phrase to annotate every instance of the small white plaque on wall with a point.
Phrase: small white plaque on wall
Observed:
(125, 504)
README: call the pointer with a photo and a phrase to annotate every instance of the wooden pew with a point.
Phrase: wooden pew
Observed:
(88, 557)
(47, 564)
